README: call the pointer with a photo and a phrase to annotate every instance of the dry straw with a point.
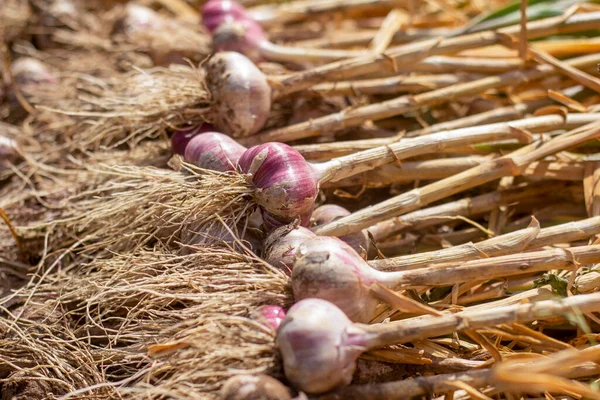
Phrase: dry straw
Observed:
(136, 106)
(522, 374)
(135, 206)
(114, 310)
(144, 324)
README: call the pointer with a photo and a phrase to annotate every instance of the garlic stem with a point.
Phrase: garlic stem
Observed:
(410, 329)
(352, 164)
(403, 104)
(303, 9)
(327, 268)
(511, 164)
(326, 151)
(278, 53)
(467, 207)
(413, 52)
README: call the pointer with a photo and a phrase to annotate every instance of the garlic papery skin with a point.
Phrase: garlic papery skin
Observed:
(281, 245)
(326, 213)
(327, 268)
(213, 151)
(241, 94)
(286, 185)
(319, 345)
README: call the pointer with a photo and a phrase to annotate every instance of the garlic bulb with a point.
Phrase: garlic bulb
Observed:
(254, 387)
(281, 245)
(319, 345)
(139, 19)
(271, 316)
(286, 185)
(216, 12)
(326, 213)
(241, 93)
(181, 137)
(245, 36)
(214, 151)
(327, 268)
(27, 70)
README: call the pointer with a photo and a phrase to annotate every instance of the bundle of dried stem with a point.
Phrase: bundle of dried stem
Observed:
(133, 107)
(133, 206)
(144, 316)
(39, 356)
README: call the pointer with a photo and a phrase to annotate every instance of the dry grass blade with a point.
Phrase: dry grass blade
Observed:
(547, 374)
(389, 26)
(408, 171)
(327, 151)
(391, 85)
(581, 77)
(446, 167)
(303, 9)
(409, 329)
(180, 322)
(466, 207)
(343, 167)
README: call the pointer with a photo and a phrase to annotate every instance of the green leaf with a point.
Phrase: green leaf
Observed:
(510, 14)
(558, 284)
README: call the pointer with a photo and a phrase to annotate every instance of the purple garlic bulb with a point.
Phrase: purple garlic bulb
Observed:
(216, 12)
(181, 137)
(327, 268)
(319, 346)
(326, 213)
(281, 246)
(243, 36)
(271, 316)
(27, 70)
(254, 387)
(241, 94)
(213, 151)
(286, 185)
